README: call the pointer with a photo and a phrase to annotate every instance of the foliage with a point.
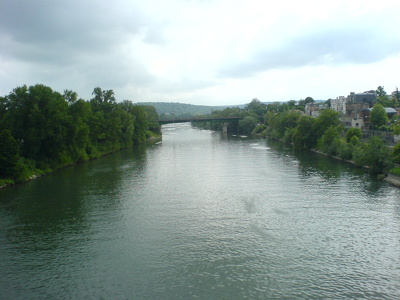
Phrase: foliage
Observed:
(329, 141)
(395, 171)
(259, 128)
(40, 129)
(170, 110)
(396, 153)
(256, 107)
(304, 136)
(306, 101)
(247, 124)
(351, 132)
(344, 149)
(374, 154)
(323, 132)
(9, 154)
(384, 100)
(378, 116)
(326, 119)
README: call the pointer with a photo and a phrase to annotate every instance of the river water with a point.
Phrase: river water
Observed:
(202, 215)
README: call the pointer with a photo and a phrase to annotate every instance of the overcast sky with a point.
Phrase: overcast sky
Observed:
(208, 52)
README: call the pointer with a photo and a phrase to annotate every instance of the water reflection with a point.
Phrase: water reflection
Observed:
(202, 215)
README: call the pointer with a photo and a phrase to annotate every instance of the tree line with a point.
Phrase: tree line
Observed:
(287, 122)
(42, 130)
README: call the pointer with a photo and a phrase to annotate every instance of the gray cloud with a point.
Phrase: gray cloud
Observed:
(58, 31)
(75, 42)
(329, 47)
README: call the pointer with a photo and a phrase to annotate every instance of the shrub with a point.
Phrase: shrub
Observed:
(373, 154)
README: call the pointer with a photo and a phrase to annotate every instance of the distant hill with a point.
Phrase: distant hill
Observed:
(167, 110)
(181, 110)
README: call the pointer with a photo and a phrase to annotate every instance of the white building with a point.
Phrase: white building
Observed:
(339, 104)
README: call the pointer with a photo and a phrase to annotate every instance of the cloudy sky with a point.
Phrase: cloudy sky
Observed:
(209, 52)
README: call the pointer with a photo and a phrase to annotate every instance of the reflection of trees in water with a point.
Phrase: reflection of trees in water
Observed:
(312, 165)
(43, 212)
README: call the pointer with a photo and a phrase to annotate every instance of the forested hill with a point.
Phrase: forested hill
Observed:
(166, 110)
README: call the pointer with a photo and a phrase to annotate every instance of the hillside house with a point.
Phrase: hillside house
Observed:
(356, 106)
(339, 104)
(313, 109)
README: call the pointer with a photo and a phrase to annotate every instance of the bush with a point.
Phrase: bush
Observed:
(329, 142)
(259, 128)
(396, 153)
(395, 171)
(345, 150)
(373, 154)
(353, 132)
(247, 125)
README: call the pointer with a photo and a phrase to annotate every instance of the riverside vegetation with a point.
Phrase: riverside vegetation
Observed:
(42, 130)
(326, 134)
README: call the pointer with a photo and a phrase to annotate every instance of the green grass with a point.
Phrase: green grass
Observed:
(4, 182)
(395, 171)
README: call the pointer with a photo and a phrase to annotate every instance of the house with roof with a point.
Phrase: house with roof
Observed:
(356, 105)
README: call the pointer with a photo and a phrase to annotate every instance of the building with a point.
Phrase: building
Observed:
(339, 104)
(356, 108)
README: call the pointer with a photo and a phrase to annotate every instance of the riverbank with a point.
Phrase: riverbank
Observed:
(393, 179)
(9, 182)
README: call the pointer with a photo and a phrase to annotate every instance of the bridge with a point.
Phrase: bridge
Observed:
(193, 120)
(216, 119)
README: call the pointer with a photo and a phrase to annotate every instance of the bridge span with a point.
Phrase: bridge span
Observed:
(216, 119)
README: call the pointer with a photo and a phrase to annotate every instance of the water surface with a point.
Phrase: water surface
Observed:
(202, 215)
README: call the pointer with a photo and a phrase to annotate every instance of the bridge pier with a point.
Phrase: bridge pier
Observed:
(225, 127)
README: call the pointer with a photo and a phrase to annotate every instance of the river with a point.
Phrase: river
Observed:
(202, 215)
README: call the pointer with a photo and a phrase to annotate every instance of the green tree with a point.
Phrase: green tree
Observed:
(383, 99)
(326, 119)
(9, 154)
(274, 107)
(37, 117)
(247, 125)
(397, 96)
(373, 154)
(396, 153)
(305, 101)
(357, 132)
(257, 107)
(70, 96)
(292, 104)
(328, 143)
(378, 116)
(304, 136)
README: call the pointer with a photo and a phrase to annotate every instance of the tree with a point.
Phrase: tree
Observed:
(384, 99)
(378, 116)
(273, 107)
(70, 96)
(9, 154)
(328, 143)
(373, 154)
(397, 95)
(305, 101)
(327, 118)
(37, 118)
(303, 135)
(357, 132)
(247, 125)
(309, 100)
(103, 96)
(256, 107)
(328, 103)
